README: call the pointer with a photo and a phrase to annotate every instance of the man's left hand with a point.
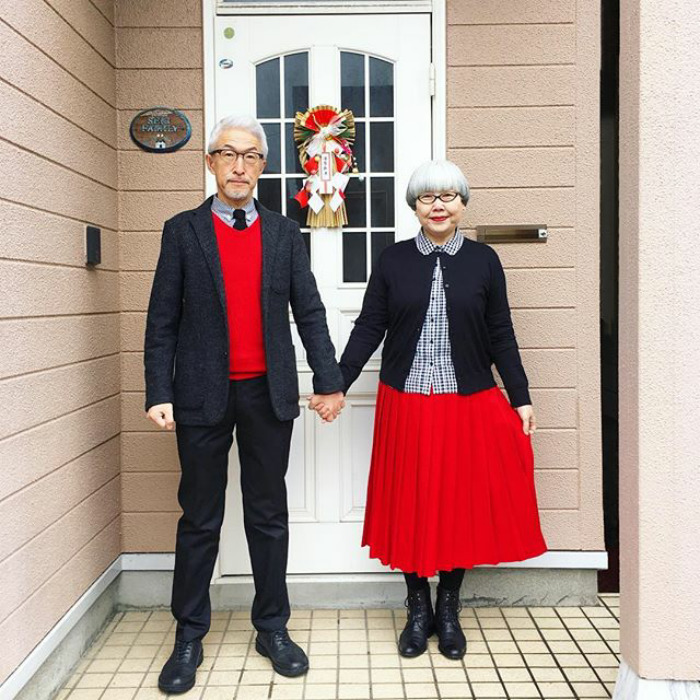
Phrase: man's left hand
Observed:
(328, 406)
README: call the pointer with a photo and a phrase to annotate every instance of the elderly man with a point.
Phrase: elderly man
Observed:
(219, 356)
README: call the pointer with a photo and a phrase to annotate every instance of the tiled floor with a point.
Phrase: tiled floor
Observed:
(512, 653)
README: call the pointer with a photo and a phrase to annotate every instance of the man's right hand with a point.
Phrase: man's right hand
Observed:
(162, 415)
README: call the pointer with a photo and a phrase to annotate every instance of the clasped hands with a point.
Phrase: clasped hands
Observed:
(328, 406)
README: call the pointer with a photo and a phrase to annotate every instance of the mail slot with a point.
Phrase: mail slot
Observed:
(522, 233)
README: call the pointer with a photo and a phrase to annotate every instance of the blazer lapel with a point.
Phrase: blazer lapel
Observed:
(270, 234)
(204, 228)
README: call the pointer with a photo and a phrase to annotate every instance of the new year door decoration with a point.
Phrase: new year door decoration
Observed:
(324, 137)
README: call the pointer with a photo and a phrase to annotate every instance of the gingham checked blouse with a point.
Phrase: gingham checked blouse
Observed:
(432, 365)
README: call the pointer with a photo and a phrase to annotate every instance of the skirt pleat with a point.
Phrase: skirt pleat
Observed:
(451, 483)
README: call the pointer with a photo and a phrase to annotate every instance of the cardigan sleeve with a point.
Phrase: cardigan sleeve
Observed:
(369, 329)
(504, 348)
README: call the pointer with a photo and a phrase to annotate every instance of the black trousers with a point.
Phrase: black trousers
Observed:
(263, 449)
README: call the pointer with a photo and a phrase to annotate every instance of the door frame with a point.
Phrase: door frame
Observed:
(438, 112)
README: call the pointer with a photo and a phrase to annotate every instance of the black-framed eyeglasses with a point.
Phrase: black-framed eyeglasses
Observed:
(229, 156)
(443, 197)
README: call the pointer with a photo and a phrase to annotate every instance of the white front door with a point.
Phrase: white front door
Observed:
(379, 67)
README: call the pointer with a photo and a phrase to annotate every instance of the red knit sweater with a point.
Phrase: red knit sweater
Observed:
(241, 263)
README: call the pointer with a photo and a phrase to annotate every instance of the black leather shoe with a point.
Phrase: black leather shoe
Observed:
(180, 670)
(414, 638)
(451, 640)
(288, 658)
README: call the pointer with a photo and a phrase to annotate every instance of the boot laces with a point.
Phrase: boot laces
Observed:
(419, 611)
(280, 636)
(182, 648)
(449, 606)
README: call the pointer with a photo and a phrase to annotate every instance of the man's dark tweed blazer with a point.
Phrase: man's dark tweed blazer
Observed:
(186, 353)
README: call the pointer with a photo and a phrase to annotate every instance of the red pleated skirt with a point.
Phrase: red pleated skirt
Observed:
(451, 483)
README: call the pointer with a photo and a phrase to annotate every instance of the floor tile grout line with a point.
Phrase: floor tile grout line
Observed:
(488, 646)
(604, 640)
(617, 617)
(583, 653)
(396, 630)
(251, 642)
(229, 617)
(466, 670)
(369, 655)
(155, 656)
(556, 660)
(113, 623)
(308, 652)
(116, 671)
(522, 655)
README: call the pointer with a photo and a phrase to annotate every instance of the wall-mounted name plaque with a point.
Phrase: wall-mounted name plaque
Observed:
(160, 130)
(520, 233)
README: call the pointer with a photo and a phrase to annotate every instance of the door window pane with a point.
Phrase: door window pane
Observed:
(380, 240)
(294, 210)
(382, 145)
(272, 131)
(270, 193)
(354, 256)
(383, 201)
(352, 82)
(356, 202)
(307, 242)
(296, 84)
(381, 88)
(292, 152)
(267, 87)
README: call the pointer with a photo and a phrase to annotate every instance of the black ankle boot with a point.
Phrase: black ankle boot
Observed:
(180, 670)
(451, 640)
(414, 638)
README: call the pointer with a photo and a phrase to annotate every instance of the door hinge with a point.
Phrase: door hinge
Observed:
(431, 79)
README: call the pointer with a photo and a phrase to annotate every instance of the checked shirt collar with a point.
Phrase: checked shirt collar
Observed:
(426, 246)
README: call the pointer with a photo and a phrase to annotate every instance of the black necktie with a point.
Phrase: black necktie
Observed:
(239, 219)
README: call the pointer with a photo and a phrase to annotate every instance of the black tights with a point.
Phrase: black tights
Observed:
(449, 580)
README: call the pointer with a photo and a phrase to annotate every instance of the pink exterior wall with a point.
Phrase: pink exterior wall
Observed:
(659, 339)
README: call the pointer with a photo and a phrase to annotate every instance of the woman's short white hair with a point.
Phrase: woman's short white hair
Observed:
(242, 121)
(436, 176)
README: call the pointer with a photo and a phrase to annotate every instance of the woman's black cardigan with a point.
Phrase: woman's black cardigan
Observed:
(481, 329)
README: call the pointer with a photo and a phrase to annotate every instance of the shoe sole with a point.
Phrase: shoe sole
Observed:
(280, 669)
(182, 688)
(451, 657)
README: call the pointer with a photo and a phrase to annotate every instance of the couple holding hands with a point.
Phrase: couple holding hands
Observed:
(451, 481)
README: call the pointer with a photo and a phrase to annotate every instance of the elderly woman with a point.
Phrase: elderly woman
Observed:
(451, 481)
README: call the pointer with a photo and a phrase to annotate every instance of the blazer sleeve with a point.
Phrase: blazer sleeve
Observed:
(504, 348)
(310, 316)
(369, 329)
(163, 321)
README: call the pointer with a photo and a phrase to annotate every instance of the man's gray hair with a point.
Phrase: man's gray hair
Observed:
(242, 121)
(436, 176)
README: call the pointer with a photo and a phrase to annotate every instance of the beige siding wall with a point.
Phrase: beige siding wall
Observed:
(59, 321)
(522, 120)
(159, 62)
